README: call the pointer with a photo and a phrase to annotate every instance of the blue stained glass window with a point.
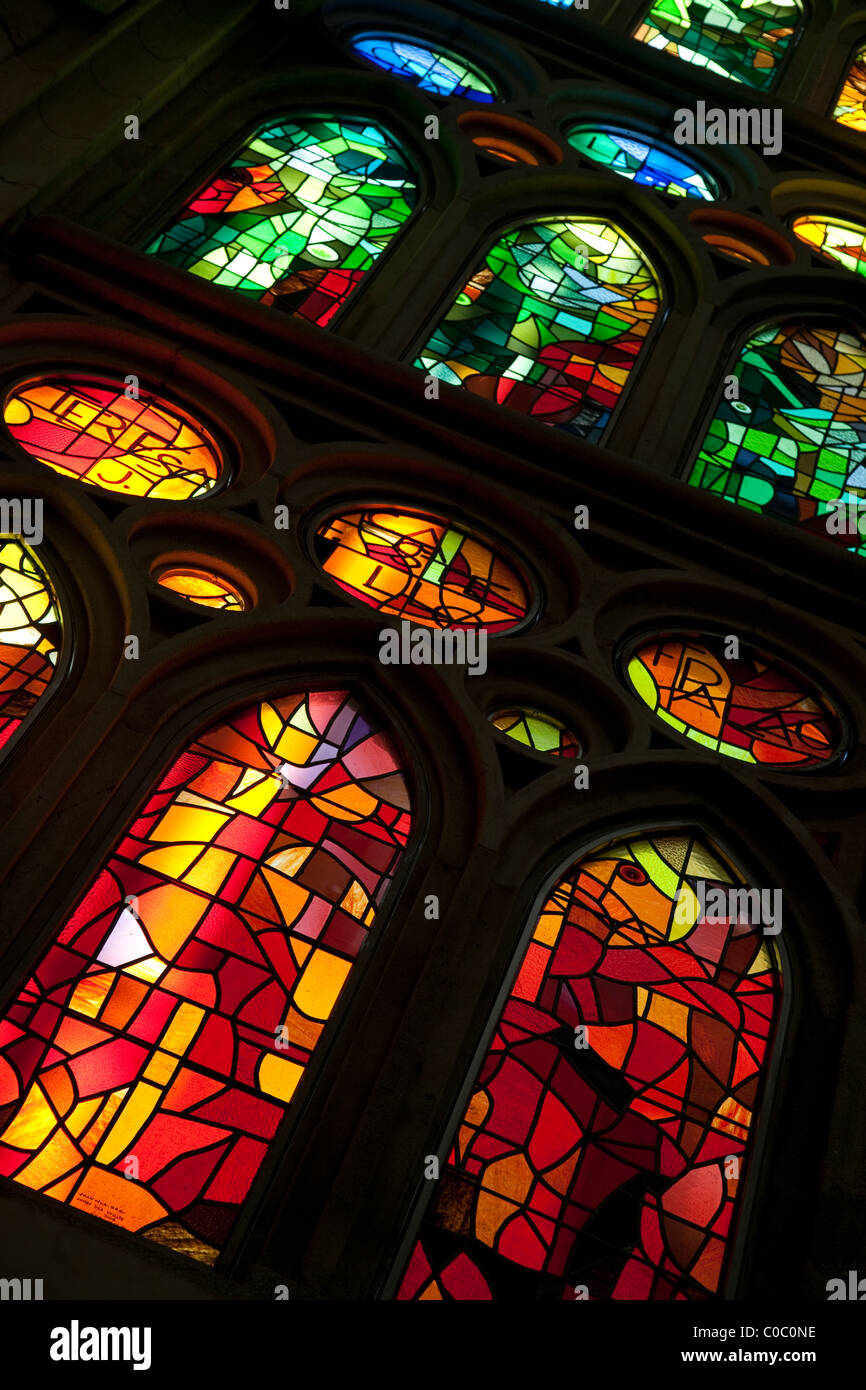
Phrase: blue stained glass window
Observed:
(642, 161)
(433, 69)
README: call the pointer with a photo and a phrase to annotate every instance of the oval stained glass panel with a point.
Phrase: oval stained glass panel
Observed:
(643, 161)
(835, 240)
(424, 568)
(93, 432)
(437, 70)
(203, 587)
(536, 730)
(752, 708)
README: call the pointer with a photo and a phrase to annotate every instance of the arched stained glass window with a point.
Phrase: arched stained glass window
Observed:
(423, 568)
(550, 323)
(643, 161)
(146, 1064)
(536, 730)
(609, 1133)
(751, 707)
(30, 634)
(92, 431)
(301, 214)
(437, 70)
(835, 239)
(791, 445)
(743, 41)
(850, 108)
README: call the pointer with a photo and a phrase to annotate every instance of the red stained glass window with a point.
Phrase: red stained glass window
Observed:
(147, 1062)
(609, 1133)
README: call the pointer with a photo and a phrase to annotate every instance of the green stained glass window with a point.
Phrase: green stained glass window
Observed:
(791, 444)
(744, 41)
(550, 324)
(299, 216)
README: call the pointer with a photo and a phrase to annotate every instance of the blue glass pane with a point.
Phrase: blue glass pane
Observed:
(636, 158)
(433, 69)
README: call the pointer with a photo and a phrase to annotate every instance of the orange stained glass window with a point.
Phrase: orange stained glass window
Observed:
(538, 731)
(610, 1129)
(748, 707)
(423, 568)
(203, 587)
(94, 432)
(149, 1058)
(30, 634)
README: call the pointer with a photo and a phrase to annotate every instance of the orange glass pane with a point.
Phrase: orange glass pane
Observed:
(421, 567)
(203, 587)
(93, 432)
(611, 1124)
(147, 1062)
(751, 707)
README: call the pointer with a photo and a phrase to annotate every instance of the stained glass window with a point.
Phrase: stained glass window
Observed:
(751, 708)
(835, 239)
(146, 1064)
(610, 1129)
(643, 161)
(94, 432)
(743, 41)
(30, 634)
(550, 324)
(424, 568)
(433, 69)
(793, 441)
(301, 214)
(203, 587)
(850, 108)
(537, 730)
